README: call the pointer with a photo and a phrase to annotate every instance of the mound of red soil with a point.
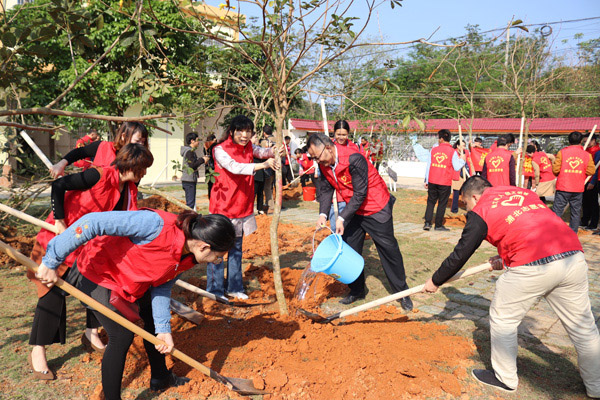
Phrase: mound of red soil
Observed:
(291, 238)
(456, 220)
(292, 193)
(376, 354)
(22, 243)
(159, 203)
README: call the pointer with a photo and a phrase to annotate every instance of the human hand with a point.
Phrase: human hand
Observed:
(206, 159)
(339, 226)
(463, 157)
(168, 346)
(426, 186)
(519, 151)
(496, 263)
(60, 226)
(589, 186)
(46, 275)
(58, 169)
(321, 221)
(429, 287)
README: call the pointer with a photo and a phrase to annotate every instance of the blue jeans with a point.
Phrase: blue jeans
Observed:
(215, 272)
(341, 206)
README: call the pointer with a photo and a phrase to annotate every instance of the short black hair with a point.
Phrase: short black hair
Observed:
(133, 157)
(510, 138)
(319, 139)
(267, 130)
(210, 137)
(341, 124)
(536, 144)
(216, 230)
(575, 137)
(474, 185)
(189, 137)
(287, 138)
(502, 141)
(298, 151)
(444, 134)
(478, 140)
(530, 148)
(240, 123)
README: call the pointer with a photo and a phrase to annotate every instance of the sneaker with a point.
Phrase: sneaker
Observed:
(238, 295)
(488, 378)
(427, 226)
(441, 228)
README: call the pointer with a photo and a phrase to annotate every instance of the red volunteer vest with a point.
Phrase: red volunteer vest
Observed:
(572, 169)
(478, 155)
(528, 171)
(497, 163)
(115, 263)
(522, 227)
(440, 169)
(103, 196)
(542, 160)
(593, 150)
(305, 162)
(377, 194)
(233, 195)
(105, 155)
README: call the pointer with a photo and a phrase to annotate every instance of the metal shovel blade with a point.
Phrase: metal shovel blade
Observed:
(239, 385)
(317, 318)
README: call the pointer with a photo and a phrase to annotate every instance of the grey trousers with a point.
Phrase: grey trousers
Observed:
(573, 199)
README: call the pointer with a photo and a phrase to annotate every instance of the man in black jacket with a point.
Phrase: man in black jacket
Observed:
(189, 173)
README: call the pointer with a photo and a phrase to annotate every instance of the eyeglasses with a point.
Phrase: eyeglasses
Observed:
(319, 157)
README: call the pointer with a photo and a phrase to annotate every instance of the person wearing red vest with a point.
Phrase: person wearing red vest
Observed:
(499, 164)
(307, 167)
(531, 170)
(377, 154)
(459, 177)
(365, 148)
(589, 204)
(368, 210)
(96, 189)
(478, 154)
(130, 263)
(103, 152)
(442, 163)
(233, 196)
(547, 184)
(571, 166)
(543, 258)
(84, 141)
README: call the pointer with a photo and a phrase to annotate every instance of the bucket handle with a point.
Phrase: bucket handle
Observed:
(315, 234)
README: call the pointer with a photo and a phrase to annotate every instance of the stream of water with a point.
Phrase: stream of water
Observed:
(306, 280)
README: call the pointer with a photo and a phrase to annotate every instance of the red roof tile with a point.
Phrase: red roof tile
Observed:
(480, 125)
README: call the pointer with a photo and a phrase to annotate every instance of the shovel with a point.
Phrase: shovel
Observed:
(239, 385)
(390, 298)
(178, 308)
(218, 299)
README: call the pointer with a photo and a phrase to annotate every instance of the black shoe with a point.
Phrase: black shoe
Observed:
(158, 385)
(351, 298)
(406, 303)
(427, 226)
(441, 228)
(488, 378)
(596, 233)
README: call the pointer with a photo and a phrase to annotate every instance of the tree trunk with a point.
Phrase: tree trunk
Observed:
(275, 223)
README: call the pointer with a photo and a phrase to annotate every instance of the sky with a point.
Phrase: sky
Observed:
(421, 18)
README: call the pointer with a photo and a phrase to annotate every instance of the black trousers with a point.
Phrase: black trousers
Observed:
(387, 248)
(50, 318)
(591, 209)
(307, 177)
(437, 194)
(286, 174)
(210, 185)
(119, 341)
(259, 192)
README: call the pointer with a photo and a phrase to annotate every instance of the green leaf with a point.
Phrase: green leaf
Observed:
(8, 39)
(406, 122)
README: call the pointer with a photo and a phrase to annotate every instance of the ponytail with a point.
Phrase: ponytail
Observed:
(216, 230)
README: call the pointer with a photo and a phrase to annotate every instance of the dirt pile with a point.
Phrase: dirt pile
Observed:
(292, 193)
(291, 238)
(374, 355)
(456, 220)
(24, 244)
(159, 203)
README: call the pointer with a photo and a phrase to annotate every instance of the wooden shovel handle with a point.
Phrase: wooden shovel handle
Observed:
(27, 217)
(107, 312)
(411, 291)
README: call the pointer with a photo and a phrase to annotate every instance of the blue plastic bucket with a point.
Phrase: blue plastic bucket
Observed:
(337, 259)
